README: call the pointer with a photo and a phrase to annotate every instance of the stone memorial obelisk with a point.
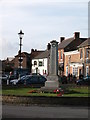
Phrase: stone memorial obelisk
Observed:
(52, 79)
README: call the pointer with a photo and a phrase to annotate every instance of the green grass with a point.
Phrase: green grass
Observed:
(77, 91)
(75, 95)
(25, 92)
(17, 91)
(69, 91)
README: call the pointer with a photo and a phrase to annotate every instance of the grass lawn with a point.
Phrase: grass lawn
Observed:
(73, 91)
(25, 92)
(77, 91)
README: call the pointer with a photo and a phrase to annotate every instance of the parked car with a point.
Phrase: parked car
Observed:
(32, 79)
(83, 81)
(35, 74)
(15, 81)
(12, 77)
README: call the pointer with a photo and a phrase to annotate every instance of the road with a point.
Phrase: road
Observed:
(15, 111)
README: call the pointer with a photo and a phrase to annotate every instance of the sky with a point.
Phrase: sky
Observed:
(41, 21)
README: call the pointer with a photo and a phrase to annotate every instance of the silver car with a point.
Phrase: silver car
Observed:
(15, 81)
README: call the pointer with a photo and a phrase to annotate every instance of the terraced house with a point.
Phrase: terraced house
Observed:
(69, 55)
(73, 57)
(84, 50)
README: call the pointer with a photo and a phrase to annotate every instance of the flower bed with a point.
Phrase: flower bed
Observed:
(58, 92)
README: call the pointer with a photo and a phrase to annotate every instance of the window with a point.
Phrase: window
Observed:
(87, 53)
(35, 62)
(81, 54)
(67, 71)
(19, 66)
(75, 71)
(20, 59)
(40, 63)
(61, 54)
(87, 70)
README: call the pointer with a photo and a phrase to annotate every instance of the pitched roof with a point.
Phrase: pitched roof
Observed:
(43, 55)
(26, 53)
(35, 53)
(74, 44)
(23, 53)
(65, 42)
(85, 43)
(71, 43)
(10, 58)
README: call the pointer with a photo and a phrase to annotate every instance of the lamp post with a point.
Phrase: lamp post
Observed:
(20, 37)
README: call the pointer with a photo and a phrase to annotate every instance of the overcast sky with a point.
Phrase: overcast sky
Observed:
(41, 21)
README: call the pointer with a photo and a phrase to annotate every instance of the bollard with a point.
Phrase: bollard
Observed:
(7, 81)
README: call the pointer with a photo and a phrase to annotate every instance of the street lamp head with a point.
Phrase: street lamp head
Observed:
(21, 34)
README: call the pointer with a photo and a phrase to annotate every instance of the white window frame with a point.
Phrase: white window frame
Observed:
(21, 66)
(41, 63)
(34, 63)
(75, 71)
(87, 70)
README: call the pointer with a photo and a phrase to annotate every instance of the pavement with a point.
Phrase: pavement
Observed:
(51, 111)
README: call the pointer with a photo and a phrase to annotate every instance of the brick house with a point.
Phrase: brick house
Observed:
(72, 64)
(11, 64)
(25, 62)
(68, 55)
(84, 50)
(8, 64)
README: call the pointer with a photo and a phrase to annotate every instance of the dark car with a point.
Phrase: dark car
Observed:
(12, 77)
(63, 79)
(83, 81)
(32, 79)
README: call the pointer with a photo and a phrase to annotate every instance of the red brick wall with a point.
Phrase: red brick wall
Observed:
(74, 58)
(59, 58)
(24, 63)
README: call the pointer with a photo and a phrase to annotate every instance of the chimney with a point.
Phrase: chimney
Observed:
(76, 35)
(32, 50)
(48, 46)
(61, 39)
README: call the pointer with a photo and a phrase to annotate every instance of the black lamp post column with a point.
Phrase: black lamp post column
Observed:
(20, 58)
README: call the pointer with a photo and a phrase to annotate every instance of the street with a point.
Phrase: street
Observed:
(34, 111)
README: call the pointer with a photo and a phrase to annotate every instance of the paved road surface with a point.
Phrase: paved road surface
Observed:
(15, 111)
